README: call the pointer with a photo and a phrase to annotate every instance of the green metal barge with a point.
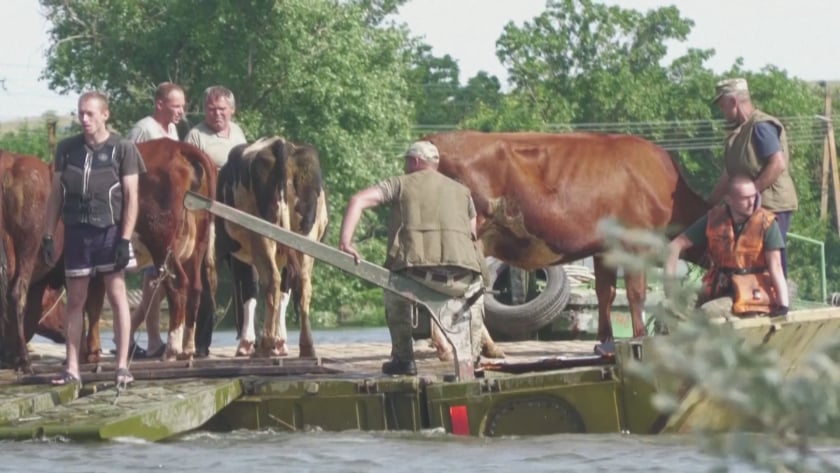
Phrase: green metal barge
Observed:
(540, 388)
(544, 388)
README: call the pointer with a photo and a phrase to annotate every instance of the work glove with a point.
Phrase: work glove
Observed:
(48, 250)
(122, 255)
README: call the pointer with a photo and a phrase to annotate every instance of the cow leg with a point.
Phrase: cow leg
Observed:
(17, 303)
(605, 279)
(194, 287)
(246, 286)
(93, 307)
(636, 284)
(307, 346)
(264, 251)
(176, 290)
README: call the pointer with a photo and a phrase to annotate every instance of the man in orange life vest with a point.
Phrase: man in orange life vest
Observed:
(744, 246)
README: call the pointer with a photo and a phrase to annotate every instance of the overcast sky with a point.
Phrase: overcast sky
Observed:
(799, 36)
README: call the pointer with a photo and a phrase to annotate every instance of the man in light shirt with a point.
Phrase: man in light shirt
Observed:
(162, 123)
(216, 136)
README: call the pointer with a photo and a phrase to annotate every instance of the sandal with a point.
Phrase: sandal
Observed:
(66, 378)
(123, 378)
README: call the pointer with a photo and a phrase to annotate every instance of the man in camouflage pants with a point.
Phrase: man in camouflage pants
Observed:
(431, 239)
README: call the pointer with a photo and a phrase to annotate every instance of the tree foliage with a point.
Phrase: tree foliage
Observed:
(339, 75)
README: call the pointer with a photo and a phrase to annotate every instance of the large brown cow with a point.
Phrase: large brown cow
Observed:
(23, 271)
(540, 197)
(25, 182)
(280, 182)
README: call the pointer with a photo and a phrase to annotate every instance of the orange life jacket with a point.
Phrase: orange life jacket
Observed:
(739, 268)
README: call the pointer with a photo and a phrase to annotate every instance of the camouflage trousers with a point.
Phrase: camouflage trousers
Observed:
(400, 314)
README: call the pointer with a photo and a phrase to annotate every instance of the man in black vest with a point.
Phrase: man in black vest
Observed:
(431, 238)
(95, 188)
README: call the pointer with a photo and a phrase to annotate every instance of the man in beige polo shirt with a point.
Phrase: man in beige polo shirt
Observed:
(216, 136)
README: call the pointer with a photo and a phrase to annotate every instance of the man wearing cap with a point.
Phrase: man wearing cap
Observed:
(756, 147)
(431, 238)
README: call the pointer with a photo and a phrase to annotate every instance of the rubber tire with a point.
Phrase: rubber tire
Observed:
(517, 322)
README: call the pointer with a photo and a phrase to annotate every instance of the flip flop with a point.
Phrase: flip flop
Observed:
(66, 378)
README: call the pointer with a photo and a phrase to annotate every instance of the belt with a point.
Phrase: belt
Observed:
(441, 276)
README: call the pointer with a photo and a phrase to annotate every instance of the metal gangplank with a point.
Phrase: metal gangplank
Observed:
(451, 315)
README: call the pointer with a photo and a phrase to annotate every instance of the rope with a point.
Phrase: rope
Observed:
(54, 305)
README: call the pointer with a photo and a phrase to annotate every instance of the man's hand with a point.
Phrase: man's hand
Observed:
(122, 255)
(351, 250)
(48, 250)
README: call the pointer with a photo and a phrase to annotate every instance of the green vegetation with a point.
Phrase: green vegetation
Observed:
(341, 75)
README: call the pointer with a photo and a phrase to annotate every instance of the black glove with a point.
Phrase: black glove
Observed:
(780, 310)
(48, 250)
(122, 255)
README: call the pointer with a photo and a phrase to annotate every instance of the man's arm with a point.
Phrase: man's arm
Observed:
(777, 275)
(675, 249)
(131, 204)
(365, 199)
(53, 205)
(776, 164)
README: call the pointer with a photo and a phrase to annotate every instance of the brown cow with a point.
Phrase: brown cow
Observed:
(280, 182)
(22, 270)
(25, 182)
(168, 236)
(540, 197)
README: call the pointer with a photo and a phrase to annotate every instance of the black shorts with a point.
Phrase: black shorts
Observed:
(90, 250)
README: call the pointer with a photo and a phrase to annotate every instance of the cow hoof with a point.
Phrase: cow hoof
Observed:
(307, 352)
(93, 358)
(245, 348)
(279, 351)
(492, 351)
(184, 356)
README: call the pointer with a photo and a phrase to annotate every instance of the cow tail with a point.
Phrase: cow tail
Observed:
(210, 258)
(7, 324)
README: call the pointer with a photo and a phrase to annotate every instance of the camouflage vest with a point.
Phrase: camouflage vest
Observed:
(430, 224)
(740, 158)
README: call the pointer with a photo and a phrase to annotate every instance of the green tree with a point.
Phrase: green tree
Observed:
(319, 71)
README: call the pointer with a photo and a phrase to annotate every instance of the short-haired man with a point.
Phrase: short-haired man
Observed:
(431, 238)
(168, 112)
(162, 123)
(744, 245)
(95, 190)
(216, 136)
(756, 147)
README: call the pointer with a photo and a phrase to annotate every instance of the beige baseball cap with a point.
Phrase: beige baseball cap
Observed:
(424, 150)
(730, 86)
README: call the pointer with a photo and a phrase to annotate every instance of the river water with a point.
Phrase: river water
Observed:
(391, 452)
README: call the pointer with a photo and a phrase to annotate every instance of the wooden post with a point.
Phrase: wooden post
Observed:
(52, 123)
(826, 169)
(832, 156)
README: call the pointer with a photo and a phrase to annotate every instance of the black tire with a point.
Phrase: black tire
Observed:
(544, 301)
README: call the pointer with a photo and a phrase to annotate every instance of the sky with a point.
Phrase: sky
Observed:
(799, 36)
